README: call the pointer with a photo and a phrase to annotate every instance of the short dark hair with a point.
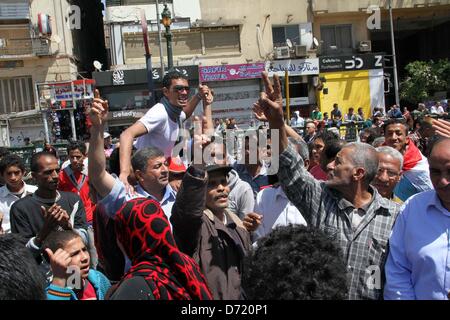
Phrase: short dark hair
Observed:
(74, 145)
(140, 159)
(20, 277)
(309, 262)
(393, 121)
(58, 239)
(34, 163)
(9, 161)
(172, 75)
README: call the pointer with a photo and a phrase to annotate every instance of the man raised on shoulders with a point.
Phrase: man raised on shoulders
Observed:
(160, 127)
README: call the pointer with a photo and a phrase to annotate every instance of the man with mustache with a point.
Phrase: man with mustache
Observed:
(205, 229)
(149, 164)
(346, 207)
(417, 266)
(36, 215)
(389, 172)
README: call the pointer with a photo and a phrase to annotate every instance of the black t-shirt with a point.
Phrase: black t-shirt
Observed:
(27, 219)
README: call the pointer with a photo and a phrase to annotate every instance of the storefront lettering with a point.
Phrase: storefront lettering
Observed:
(118, 77)
(354, 63)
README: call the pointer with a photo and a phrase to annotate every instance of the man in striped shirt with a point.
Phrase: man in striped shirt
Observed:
(346, 207)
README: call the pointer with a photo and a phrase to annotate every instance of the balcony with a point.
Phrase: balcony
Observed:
(20, 48)
(14, 10)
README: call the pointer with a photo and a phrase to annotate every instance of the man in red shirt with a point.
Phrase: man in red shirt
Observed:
(74, 179)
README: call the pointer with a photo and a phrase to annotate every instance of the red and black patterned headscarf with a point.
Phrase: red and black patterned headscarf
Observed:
(144, 232)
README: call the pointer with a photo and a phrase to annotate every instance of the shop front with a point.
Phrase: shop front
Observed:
(303, 80)
(352, 81)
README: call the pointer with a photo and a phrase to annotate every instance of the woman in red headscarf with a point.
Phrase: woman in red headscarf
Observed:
(159, 271)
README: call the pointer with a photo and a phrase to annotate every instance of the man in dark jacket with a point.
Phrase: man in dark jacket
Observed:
(47, 209)
(206, 230)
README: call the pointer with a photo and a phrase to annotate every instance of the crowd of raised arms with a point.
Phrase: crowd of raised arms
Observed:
(319, 206)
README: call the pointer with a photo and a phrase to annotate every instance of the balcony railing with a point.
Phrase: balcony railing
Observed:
(26, 47)
(14, 10)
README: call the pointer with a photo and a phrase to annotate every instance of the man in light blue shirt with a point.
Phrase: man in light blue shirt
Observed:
(149, 164)
(418, 266)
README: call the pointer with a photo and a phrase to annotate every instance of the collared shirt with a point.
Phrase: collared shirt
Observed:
(118, 196)
(277, 210)
(7, 199)
(261, 180)
(418, 265)
(364, 249)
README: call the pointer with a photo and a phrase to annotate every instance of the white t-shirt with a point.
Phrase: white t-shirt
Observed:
(162, 132)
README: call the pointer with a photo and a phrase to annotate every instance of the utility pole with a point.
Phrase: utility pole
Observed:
(159, 39)
(394, 57)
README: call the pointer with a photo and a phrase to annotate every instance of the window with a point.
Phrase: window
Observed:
(222, 40)
(184, 42)
(339, 36)
(16, 94)
(282, 33)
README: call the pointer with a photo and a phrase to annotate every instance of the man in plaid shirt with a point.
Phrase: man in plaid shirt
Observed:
(346, 207)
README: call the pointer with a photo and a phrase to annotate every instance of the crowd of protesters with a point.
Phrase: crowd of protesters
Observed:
(300, 212)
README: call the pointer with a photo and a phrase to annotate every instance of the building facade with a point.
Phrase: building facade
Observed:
(43, 41)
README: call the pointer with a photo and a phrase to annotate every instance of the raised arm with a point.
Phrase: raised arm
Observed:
(102, 181)
(301, 188)
(193, 102)
(126, 145)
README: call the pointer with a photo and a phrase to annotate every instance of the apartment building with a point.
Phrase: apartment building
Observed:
(357, 33)
(44, 41)
(333, 50)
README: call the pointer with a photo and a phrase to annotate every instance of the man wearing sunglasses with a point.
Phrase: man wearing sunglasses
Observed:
(160, 127)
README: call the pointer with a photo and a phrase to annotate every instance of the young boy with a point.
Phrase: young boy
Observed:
(72, 278)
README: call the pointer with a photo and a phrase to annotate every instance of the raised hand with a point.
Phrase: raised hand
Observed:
(98, 112)
(205, 94)
(271, 101)
(258, 111)
(59, 262)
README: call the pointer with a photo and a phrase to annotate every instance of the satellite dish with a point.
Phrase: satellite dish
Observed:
(316, 42)
(289, 43)
(97, 65)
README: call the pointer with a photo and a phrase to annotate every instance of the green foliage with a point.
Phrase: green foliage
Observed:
(423, 79)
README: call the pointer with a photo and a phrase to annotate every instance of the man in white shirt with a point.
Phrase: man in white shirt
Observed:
(160, 127)
(12, 170)
(273, 204)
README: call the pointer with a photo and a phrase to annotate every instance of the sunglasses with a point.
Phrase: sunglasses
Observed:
(181, 88)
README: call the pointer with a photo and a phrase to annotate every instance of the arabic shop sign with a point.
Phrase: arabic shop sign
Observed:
(231, 72)
(348, 63)
(138, 76)
(297, 67)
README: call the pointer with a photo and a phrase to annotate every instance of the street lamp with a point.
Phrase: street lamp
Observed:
(167, 21)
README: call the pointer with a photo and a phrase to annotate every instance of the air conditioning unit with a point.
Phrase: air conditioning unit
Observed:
(282, 52)
(2, 43)
(300, 51)
(365, 46)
